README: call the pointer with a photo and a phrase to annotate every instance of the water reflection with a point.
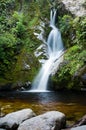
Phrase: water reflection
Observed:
(47, 97)
(61, 96)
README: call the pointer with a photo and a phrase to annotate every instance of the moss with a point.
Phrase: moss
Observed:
(73, 34)
(19, 37)
(65, 76)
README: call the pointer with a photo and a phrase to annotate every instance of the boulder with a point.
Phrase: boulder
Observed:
(52, 120)
(12, 120)
(79, 128)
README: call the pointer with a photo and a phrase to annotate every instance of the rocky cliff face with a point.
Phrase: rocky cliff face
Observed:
(76, 7)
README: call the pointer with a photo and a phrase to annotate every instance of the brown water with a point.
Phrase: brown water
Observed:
(73, 104)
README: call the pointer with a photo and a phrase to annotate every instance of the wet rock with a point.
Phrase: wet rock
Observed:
(84, 79)
(53, 120)
(20, 86)
(12, 120)
(82, 121)
(80, 76)
(79, 125)
(16, 86)
(1, 113)
(40, 35)
(6, 87)
(56, 64)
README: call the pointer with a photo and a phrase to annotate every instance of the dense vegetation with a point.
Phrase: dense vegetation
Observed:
(74, 66)
(18, 22)
(17, 42)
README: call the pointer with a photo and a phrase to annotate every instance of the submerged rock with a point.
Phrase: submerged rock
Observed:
(12, 120)
(53, 120)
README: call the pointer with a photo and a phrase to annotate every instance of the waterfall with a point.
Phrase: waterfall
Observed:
(55, 50)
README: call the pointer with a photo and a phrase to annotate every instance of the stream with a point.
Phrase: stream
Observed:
(71, 103)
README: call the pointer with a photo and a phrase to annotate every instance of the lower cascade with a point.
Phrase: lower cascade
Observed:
(55, 51)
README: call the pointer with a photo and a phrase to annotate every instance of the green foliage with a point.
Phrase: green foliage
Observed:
(80, 26)
(65, 23)
(7, 40)
(76, 59)
(8, 51)
(68, 34)
(20, 30)
(17, 16)
(74, 37)
(17, 40)
(73, 30)
(12, 32)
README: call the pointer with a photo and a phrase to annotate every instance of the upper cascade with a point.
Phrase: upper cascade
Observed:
(52, 17)
(55, 50)
(54, 41)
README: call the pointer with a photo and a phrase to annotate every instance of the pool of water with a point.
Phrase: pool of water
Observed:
(73, 104)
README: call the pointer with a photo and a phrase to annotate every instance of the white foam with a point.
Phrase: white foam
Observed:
(37, 91)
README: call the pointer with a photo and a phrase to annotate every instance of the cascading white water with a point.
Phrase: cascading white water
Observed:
(55, 49)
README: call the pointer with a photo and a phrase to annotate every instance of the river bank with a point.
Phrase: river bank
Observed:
(71, 103)
(26, 119)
